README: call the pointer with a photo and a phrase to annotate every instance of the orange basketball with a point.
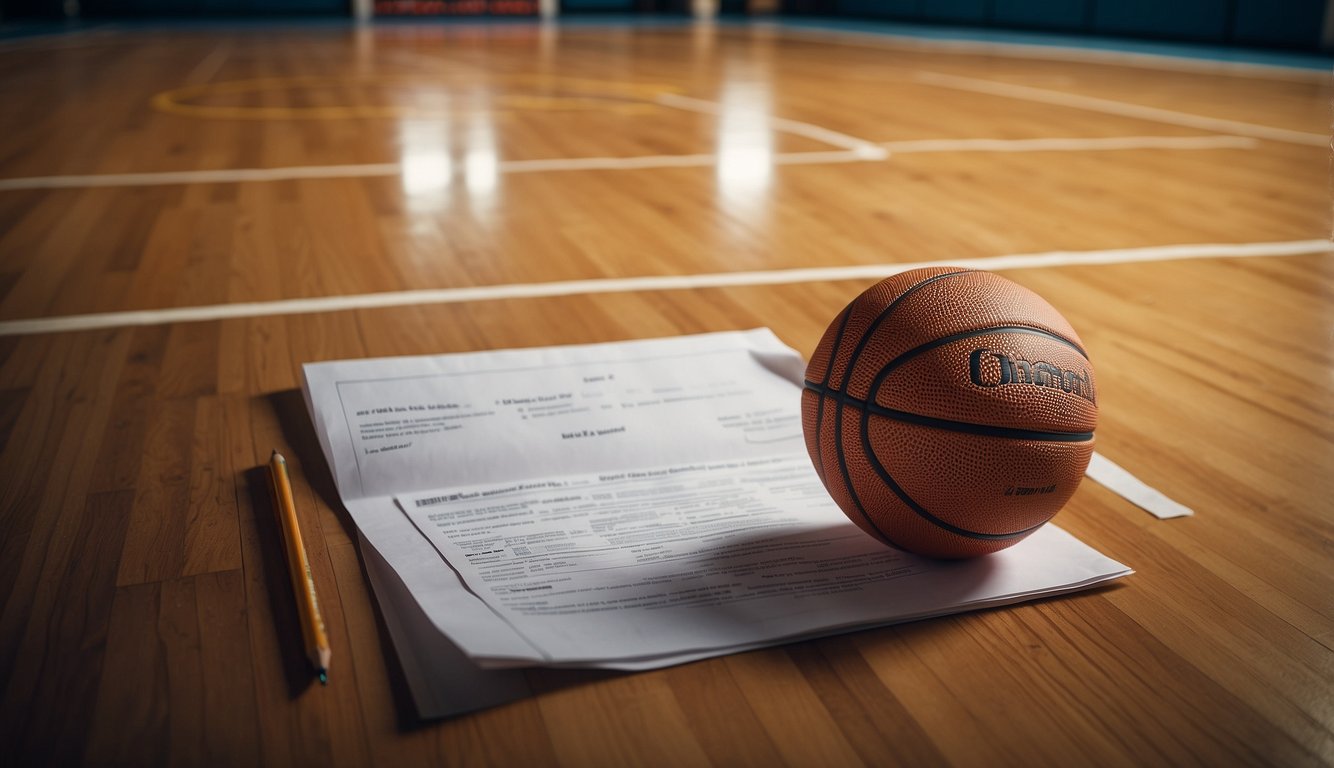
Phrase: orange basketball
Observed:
(950, 412)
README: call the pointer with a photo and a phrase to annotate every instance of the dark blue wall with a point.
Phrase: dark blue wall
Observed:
(32, 9)
(959, 11)
(1279, 22)
(1204, 20)
(894, 9)
(1276, 23)
(1065, 15)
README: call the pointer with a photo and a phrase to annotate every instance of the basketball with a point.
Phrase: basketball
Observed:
(950, 412)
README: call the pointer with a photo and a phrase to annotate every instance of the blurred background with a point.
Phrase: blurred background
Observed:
(1292, 24)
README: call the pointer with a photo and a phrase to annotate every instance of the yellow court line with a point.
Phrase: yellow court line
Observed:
(586, 95)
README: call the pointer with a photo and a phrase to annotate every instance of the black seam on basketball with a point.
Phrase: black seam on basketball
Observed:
(847, 477)
(819, 410)
(884, 313)
(986, 430)
(918, 508)
(838, 342)
(819, 454)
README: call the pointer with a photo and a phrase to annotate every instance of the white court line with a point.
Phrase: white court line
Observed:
(557, 164)
(373, 170)
(209, 65)
(1102, 143)
(1124, 109)
(225, 175)
(1015, 50)
(380, 170)
(868, 149)
(652, 283)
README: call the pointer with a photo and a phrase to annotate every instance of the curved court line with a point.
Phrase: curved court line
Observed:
(501, 106)
(1122, 109)
(584, 94)
(646, 162)
(653, 283)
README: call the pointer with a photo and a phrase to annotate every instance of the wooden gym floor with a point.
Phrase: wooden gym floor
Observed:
(189, 214)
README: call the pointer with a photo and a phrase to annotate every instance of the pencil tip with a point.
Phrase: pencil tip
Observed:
(324, 677)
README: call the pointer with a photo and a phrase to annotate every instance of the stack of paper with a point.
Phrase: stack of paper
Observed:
(623, 506)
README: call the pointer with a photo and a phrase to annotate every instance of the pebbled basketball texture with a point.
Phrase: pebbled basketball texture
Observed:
(950, 412)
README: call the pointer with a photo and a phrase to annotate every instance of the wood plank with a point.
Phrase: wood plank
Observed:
(177, 675)
(190, 361)
(133, 710)
(51, 689)
(11, 405)
(231, 735)
(791, 711)
(156, 543)
(871, 717)
(56, 436)
(122, 451)
(715, 704)
(212, 535)
(623, 719)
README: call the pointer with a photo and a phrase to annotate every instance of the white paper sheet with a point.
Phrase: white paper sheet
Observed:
(404, 424)
(397, 425)
(670, 559)
(442, 679)
(427, 427)
(1132, 489)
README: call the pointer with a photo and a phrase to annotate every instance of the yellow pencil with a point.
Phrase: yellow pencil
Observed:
(303, 585)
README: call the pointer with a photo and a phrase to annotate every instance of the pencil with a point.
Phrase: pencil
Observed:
(303, 584)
